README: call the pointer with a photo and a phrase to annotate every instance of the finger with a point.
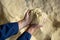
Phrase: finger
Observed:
(25, 15)
(28, 12)
(35, 25)
(40, 26)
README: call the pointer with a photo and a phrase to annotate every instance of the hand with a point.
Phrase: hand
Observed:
(32, 28)
(27, 18)
(26, 21)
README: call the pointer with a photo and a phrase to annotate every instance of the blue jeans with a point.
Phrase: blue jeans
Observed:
(10, 29)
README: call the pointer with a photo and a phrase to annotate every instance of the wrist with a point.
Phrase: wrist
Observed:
(21, 24)
(30, 30)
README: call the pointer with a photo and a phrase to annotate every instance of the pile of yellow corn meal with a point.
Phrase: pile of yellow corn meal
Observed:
(47, 13)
